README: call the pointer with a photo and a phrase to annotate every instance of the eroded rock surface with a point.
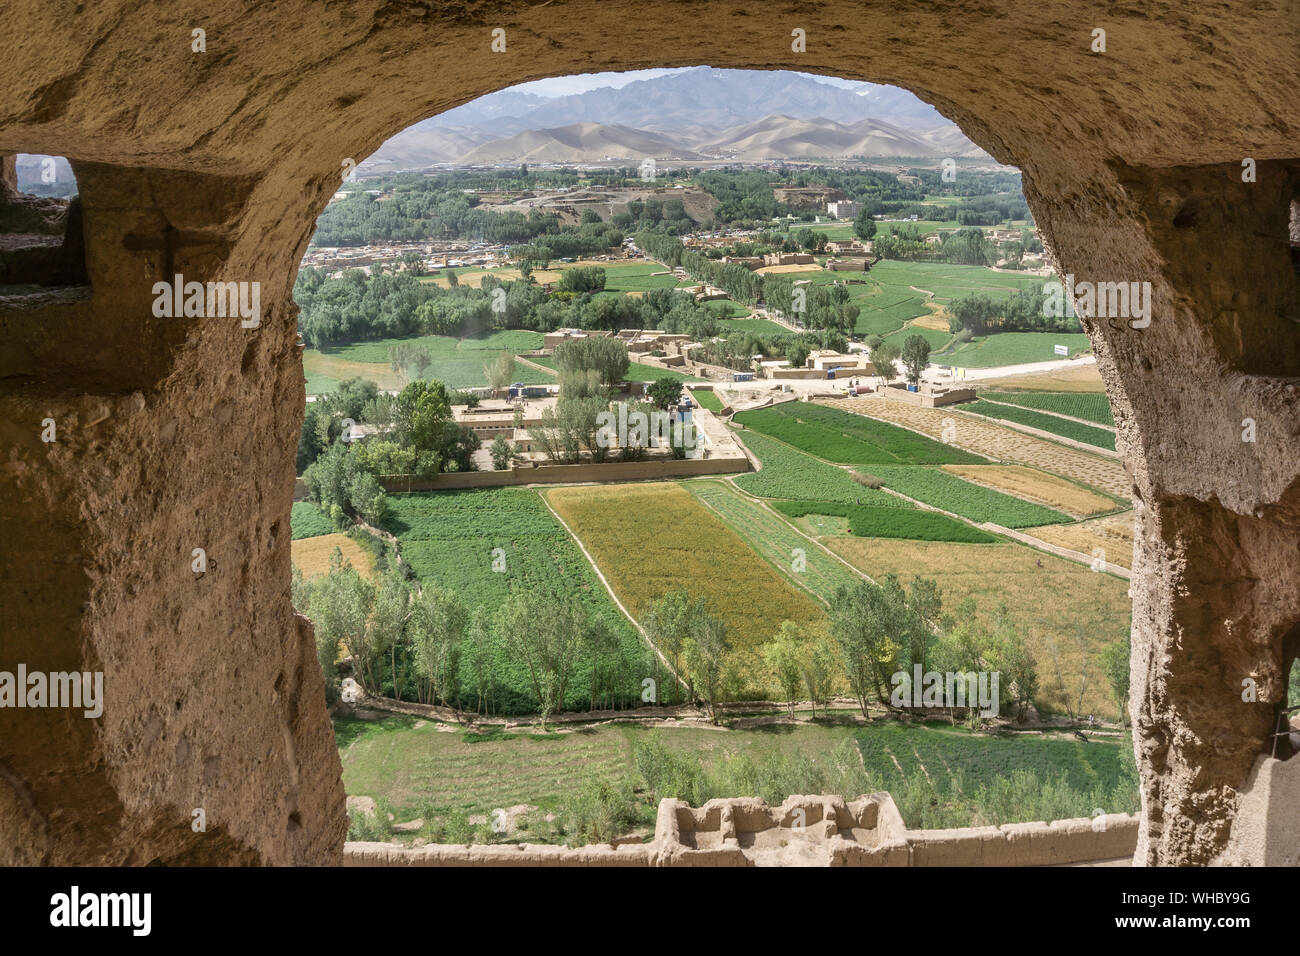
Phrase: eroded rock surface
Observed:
(175, 433)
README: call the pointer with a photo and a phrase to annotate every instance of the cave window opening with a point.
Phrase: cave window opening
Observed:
(1286, 732)
(42, 240)
(1294, 235)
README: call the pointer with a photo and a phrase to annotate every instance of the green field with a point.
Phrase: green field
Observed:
(457, 362)
(941, 489)
(949, 777)
(1012, 348)
(891, 297)
(449, 538)
(944, 768)
(914, 523)
(1045, 421)
(707, 399)
(789, 473)
(307, 521)
(850, 439)
(1090, 406)
(774, 539)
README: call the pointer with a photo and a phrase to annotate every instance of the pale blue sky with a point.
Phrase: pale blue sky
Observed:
(581, 83)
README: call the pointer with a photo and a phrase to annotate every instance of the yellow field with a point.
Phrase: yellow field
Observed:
(1065, 611)
(936, 320)
(1113, 534)
(1077, 378)
(784, 270)
(994, 441)
(343, 369)
(648, 539)
(1035, 485)
(312, 555)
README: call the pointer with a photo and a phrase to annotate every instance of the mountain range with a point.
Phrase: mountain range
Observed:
(691, 115)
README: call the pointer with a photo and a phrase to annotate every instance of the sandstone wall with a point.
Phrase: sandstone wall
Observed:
(180, 433)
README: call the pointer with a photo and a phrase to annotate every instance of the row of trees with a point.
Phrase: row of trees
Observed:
(422, 643)
(1022, 311)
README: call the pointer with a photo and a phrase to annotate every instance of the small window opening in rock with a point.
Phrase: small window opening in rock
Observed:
(1294, 236)
(1286, 733)
(42, 242)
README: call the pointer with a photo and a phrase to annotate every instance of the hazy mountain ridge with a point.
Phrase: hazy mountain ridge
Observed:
(695, 114)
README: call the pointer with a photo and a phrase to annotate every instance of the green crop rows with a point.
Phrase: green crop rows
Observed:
(1090, 406)
(916, 524)
(789, 473)
(943, 490)
(775, 540)
(707, 399)
(850, 439)
(1044, 421)
(307, 521)
(448, 538)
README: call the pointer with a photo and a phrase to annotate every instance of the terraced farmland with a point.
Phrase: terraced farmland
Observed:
(849, 439)
(998, 442)
(1044, 421)
(1035, 485)
(775, 539)
(652, 538)
(943, 490)
(1090, 406)
(915, 523)
(789, 473)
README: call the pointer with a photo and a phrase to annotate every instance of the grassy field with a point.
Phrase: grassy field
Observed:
(1044, 421)
(846, 438)
(449, 538)
(1011, 348)
(789, 473)
(307, 521)
(707, 399)
(457, 362)
(943, 490)
(914, 523)
(652, 538)
(1090, 406)
(443, 776)
(1034, 485)
(775, 540)
(1066, 611)
(312, 555)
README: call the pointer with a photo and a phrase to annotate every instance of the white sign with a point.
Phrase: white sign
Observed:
(1061, 349)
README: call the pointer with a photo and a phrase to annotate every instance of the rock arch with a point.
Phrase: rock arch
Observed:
(175, 434)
